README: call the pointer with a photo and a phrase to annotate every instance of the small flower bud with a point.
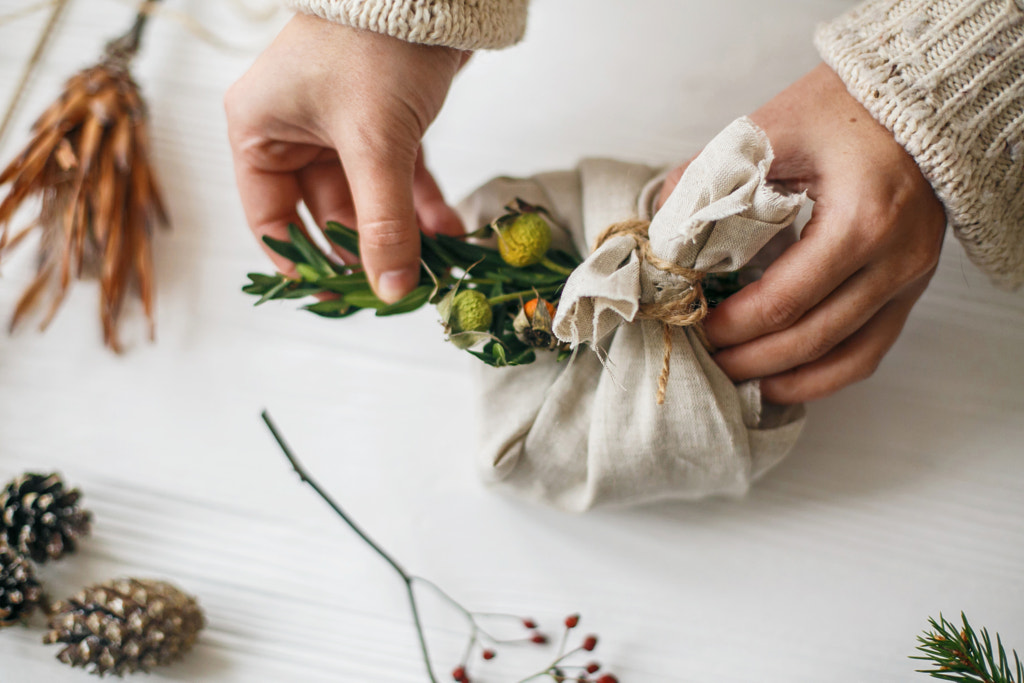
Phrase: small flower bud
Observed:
(572, 620)
(459, 674)
(539, 638)
(470, 312)
(607, 678)
(593, 667)
(532, 325)
(529, 623)
(488, 654)
(530, 307)
(589, 643)
(523, 239)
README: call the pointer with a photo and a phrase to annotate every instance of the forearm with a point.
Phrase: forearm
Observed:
(946, 77)
(461, 24)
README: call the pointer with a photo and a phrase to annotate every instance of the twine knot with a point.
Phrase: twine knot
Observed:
(687, 310)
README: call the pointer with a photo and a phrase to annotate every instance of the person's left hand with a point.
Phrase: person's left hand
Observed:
(828, 310)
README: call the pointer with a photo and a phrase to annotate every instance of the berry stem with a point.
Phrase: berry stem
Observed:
(561, 645)
(476, 629)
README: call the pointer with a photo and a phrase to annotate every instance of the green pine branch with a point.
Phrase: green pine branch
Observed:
(962, 655)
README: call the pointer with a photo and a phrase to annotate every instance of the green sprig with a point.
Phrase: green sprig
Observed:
(962, 655)
(448, 264)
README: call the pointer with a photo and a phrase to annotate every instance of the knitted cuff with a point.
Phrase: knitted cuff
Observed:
(947, 78)
(462, 24)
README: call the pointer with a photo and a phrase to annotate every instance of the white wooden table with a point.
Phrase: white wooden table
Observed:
(904, 498)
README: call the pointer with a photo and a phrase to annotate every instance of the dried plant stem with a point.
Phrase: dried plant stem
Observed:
(406, 577)
(125, 47)
(37, 54)
(477, 632)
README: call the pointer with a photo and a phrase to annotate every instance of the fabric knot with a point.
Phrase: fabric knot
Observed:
(687, 310)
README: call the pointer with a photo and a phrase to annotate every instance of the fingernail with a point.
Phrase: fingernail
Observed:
(395, 284)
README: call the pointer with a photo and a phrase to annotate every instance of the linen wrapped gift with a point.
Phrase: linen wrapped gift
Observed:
(590, 431)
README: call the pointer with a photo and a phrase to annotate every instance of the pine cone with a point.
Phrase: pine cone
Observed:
(124, 626)
(39, 518)
(19, 590)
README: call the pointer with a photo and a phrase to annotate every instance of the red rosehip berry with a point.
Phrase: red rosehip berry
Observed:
(488, 654)
(593, 667)
(607, 678)
(539, 638)
(589, 643)
(529, 623)
(572, 620)
(459, 674)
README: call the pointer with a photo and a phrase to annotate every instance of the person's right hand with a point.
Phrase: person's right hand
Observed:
(333, 117)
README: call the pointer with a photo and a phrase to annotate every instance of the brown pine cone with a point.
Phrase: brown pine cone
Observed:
(124, 626)
(20, 593)
(41, 519)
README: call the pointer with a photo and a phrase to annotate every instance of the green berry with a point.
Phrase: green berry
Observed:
(525, 240)
(470, 312)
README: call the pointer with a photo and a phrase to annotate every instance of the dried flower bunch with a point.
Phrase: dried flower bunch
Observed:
(489, 300)
(88, 164)
(124, 626)
(482, 644)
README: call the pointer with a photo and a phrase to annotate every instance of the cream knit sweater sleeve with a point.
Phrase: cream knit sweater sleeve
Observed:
(947, 78)
(462, 24)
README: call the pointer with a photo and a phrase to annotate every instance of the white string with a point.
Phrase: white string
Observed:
(197, 29)
(26, 11)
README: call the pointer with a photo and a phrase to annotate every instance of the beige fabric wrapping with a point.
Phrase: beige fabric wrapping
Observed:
(585, 432)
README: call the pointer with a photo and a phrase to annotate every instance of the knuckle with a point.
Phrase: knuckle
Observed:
(388, 145)
(921, 260)
(865, 368)
(386, 235)
(875, 223)
(814, 346)
(779, 310)
(256, 151)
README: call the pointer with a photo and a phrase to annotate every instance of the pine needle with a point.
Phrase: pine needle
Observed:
(960, 654)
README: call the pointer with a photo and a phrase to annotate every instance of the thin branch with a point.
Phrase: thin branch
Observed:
(405, 576)
(306, 478)
(419, 630)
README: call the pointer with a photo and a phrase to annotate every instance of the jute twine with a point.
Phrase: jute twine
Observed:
(688, 310)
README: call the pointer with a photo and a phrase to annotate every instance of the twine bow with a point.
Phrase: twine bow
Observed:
(687, 310)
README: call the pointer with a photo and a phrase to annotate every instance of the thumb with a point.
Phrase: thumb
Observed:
(389, 239)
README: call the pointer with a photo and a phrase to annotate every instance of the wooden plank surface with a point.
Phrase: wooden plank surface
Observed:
(903, 498)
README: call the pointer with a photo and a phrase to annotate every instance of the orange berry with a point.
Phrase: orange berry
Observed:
(531, 306)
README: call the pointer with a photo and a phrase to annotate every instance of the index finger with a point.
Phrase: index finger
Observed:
(270, 200)
(389, 236)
